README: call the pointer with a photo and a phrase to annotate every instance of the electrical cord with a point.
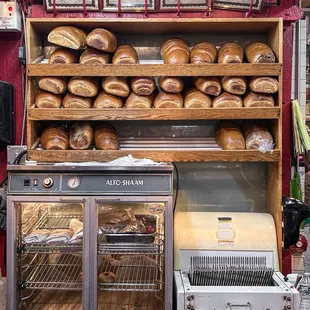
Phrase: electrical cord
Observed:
(177, 186)
(19, 157)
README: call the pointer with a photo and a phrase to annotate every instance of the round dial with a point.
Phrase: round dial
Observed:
(74, 183)
(48, 182)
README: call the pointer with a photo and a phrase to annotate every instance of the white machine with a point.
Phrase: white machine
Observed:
(229, 261)
(10, 16)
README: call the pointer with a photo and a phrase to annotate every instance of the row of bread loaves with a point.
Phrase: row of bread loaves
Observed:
(229, 136)
(80, 136)
(176, 51)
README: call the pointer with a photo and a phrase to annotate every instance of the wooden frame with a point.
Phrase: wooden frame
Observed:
(267, 29)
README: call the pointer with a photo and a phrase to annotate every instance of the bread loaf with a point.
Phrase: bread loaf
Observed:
(143, 86)
(92, 56)
(68, 36)
(125, 55)
(53, 84)
(116, 85)
(264, 84)
(258, 52)
(234, 84)
(168, 100)
(81, 135)
(253, 100)
(208, 85)
(106, 277)
(138, 101)
(203, 53)
(76, 102)
(227, 100)
(48, 50)
(175, 51)
(228, 136)
(63, 56)
(105, 100)
(194, 98)
(84, 87)
(230, 53)
(102, 39)
(55, 138)
(106, 137)
(173, 85)
(257, 137)
(47, 100)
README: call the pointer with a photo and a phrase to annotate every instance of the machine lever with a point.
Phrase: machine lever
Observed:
(231, 306)
(71, 199)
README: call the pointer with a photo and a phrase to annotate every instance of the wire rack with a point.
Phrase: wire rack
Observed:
(52, 222)
(53, 271)
(133, 272)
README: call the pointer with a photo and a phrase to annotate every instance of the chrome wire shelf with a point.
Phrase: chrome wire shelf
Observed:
(52, 222)
(142, 273)
(55, 271)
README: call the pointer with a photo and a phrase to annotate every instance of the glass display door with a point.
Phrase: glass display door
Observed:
(47, 253)
(130, 254)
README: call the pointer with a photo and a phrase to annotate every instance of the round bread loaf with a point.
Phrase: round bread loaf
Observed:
(254, 100)
(168, 100)
(116, 85)
(203, 53)
(53, 84)
(143, 86)
(102, 39)
(137, 101)
(208, 85)
(230, 53)
(55, 138)
(105, 100)
(92, 56)
(234, 84)
(227, 100)
(175, 51)
(47, 100)
(68, 36)
(106, 137)
(195, 99)
(228, 136)
(81, 135)
(84, 87)
(258, 52)
(106, 277)
(63, 56)
(76, 102)
(257, 137)
(264, 84)
(125, 55)
(173, 85)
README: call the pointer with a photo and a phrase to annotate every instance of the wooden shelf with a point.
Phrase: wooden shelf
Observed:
(244, 69)
(160, 156)
(152, 114)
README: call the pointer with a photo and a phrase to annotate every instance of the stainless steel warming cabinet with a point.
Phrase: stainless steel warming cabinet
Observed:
(90, 237)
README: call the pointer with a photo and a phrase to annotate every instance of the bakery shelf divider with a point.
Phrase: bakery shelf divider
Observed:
(158, 155)
(243, 69)
(35, 114)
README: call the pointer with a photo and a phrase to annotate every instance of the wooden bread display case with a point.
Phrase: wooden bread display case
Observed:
(147, 35)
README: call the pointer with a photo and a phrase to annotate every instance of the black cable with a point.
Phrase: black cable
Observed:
(177, 186)
(3, 181)
(19, 157)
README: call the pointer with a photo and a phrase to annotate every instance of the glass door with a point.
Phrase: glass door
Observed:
(46, 245)
(130, 254)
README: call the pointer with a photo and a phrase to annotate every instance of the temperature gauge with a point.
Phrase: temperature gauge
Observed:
(74, 183)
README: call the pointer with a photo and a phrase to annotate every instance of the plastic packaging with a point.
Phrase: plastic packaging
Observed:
(304, 290)
(2, 293)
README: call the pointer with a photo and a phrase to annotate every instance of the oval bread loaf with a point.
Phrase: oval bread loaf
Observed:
(81, 135)
(203, 53)
(173, 85)
(228, 136)
(230, 53)
(55, 138)
(84, 87)
(76, 102)
(105, 100)
(102, 39)
(253, 100)
(168, 100)
(227, 100)
(53, 84)
(47, 100)
(194, 98)
(264, 84)
(116, 85)
(208, 85)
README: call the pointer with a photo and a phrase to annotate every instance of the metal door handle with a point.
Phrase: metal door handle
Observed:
(231, 306)
(71, 199)
(107, 199)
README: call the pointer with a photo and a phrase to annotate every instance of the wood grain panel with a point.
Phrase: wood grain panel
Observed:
(160, 156)
(244, 69)
(152, 114)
